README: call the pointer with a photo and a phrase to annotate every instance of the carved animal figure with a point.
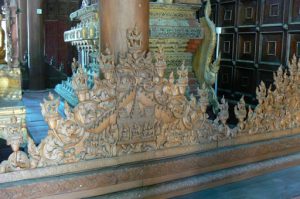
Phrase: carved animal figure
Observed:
(206, 72)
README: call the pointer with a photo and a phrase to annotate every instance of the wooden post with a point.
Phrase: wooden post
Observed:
(22, 19)
(116, 17)
(36, 44)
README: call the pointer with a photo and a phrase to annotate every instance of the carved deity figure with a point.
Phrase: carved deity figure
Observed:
(2, 43)
(134, 38)
(18, 160)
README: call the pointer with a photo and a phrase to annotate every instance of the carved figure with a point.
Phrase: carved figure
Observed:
(18, 159)
(206, 71)
(241, 113)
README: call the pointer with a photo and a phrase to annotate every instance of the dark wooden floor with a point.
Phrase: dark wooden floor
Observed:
(284, 184)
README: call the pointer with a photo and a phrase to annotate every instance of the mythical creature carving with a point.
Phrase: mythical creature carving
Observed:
(206, 71)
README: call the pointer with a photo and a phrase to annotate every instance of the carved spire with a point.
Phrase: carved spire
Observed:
(241, 113)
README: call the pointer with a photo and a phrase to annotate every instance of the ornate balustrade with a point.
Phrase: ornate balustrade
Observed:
(135, 110)
(136, 114)
(128, 129)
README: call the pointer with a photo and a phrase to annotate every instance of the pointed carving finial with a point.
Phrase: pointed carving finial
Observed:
(241, 113)
(223, 115)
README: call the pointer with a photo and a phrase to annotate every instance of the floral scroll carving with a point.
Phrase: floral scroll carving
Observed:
(136, 109)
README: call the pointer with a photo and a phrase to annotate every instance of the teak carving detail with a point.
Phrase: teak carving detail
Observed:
(135, 109)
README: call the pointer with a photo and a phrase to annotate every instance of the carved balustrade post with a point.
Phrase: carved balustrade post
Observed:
(116, 17)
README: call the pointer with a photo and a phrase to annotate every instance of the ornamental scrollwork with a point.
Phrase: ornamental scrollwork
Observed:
(136, 109)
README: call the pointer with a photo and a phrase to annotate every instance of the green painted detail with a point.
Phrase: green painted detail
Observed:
(172, 11)
(173, 22)
(180, 32)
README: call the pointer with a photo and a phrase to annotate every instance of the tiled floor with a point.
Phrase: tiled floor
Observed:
(35, 122)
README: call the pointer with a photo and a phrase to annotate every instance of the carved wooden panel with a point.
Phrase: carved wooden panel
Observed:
(295, 11)
(245, 80)
(227, 44)
(225, 78)
(247, 12)
(271, 48)
(246, 46)
(51, 39)
(56, 23)
(63, 8)
(265, 35)
(294, 43)
(51, 9)
(266, 76)
(227, 14)
(273, 11)
(60, 9)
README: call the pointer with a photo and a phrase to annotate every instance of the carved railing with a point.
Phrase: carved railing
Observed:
(135, 109)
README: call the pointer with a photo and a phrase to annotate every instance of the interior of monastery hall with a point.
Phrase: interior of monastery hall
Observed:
(142, 99)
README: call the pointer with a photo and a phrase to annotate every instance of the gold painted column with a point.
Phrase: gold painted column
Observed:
(35, 27)
(116, 17)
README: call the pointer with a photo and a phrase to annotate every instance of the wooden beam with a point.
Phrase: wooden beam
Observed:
(36, 64)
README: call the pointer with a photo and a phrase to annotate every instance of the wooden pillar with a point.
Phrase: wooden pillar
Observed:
(116, 17)
(22, 19)
(35, 27)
